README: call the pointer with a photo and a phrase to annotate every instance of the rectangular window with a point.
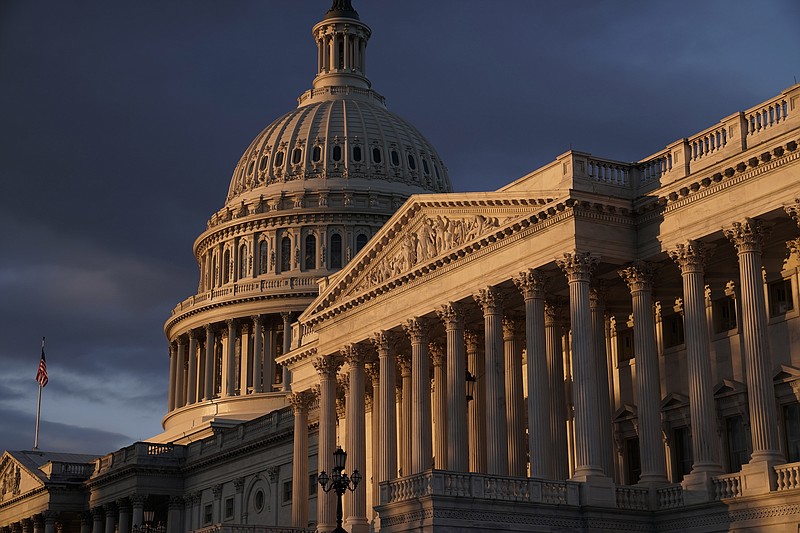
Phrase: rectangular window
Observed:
(229, 508)
(208, 514)
(780, 297)
(791, 421)
(625, 344)
(287, 491)
(633, 464)
(737, 443)
(725, 315)
(673, 330)
(682, 453)
(312, 484)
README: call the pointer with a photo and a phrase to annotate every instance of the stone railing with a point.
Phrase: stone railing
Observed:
(61, 471)
(311, 93)
(670, 497)
(236, 528)
(607, 171)
(788, 476)
(481, 486)
(767, 115)
(140, 453)
(632, 497)
(727, 486)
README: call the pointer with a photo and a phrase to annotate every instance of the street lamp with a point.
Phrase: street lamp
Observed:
(340, 483)
(471, 379)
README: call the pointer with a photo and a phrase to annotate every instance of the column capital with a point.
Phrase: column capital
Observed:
(471, 341)
(175, 503)
(793, 246)
(531, 283)
(326, 366)
(793, 210)
(193, 334)
(230, 322)
(691, 256)
(181, 340)
(638, 276)
(257, 319)
(489, 299)
(301, 402)
(747, 236)
(513, 327)
(217, 491)
(404, 362)
(438, 354)
(577, 266)
(373, 370)
(286, 316)
(124, 504)
(354, 355)
(108, 507)
(137, 500)
(597, 295)
(452, 314)
(210, 329)
(554, 311)
(382, 340)
(417, 329)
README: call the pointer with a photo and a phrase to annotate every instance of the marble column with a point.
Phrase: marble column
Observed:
(174, 515)
(300, 403)
(287, 344)
(137, 504)
(457, 453)
(173, 364)
(476, 415)
(639, 278)
(597, 303)
(208, 381)
(490, 301)
(111, 517)
(86, 523)
(439, 405)
(531, 284)
(356, 503)
(748, 238)
(404, 362)
(327, 367)
(124, 516)
(230, 360)
(258, 356)
(553, 317)
(27, 525)
(691, 258)
(387, 428)
(421, 445)
(191, 374)
(245, 358)
(515, 396)
(578, 267)
(269, 357)
(373, 374)
(180, 374)
(50, 518)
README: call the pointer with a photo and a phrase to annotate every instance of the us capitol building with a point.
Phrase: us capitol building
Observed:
(597, 346)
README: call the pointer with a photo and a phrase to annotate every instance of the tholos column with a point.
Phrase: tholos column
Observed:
(457, 454)
(387, 429)
(439, 405)
(287, 344)
(300, 403)
(86, 523)
(531, 284)
(554, 314)
(191, 373)
(173, 364)
(604, 414)
(515, 397)
(50, 518)
(174, 509)
(327, 367)
(490, 301)
(98, 516)
(180, 374)
(258, 355)
(208, 389)
(420, 396)
(578, 267)
(111, 517)
(691, 258)
(748, 237)
(356, 503)
(373, 395)
(230, 360)
(404, 361)
(476, 415)
(639, 278)
(269, 356)
(137, 504)
(124, 516)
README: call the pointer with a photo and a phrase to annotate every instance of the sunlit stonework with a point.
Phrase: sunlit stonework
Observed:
(563, 354)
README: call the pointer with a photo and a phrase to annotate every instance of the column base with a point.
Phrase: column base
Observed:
(758, 477)
(358, 525)
(597, 490)
(698, 487)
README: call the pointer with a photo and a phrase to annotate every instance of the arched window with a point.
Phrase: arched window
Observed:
(242, 261)
(297, 156)
(425, 166)
(356, 153)
(262, 164)
(250, 167)
(310, 257)
(278, 159)
(361, 241)
(286, 254)
(203, 274)
(214, 271)
(226, 265)
(337, 153)
(376, 155)
(336, 251)
(316, 154)
(262, 257)
(395, 158)
(412, 162)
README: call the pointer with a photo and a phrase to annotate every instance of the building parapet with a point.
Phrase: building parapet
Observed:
(62, 471)
(239, 528)
(140, 454)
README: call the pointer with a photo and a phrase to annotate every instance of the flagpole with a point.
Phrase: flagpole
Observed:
(38, 411)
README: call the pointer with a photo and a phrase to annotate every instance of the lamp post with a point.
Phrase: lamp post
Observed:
(149, 526)
(340, 483)
(471, 379)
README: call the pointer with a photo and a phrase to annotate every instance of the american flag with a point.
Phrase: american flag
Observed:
(41, 374)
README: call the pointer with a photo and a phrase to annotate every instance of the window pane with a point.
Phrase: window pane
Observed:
(737, 443)
(262, 257)
(336, 251)
(310, 259)
(361, 241)
(286, 254)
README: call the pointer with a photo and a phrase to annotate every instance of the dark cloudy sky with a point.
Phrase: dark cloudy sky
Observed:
(121, 123)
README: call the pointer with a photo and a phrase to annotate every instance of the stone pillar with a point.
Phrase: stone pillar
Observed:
(191, 386)
(27, 525)
(748, 237)
(239, 510)
(180, 374)
(476, 415)
(111, 518)
(439, 405)
(554, 315)
(300, 403)
(137, 504)
(421, 445)
(86, 523)
(174, 515)
(404, 361)
(173, 364)
(691, 258)
(50, 518)
(230, 360)
(327, 367)
(515, 397)
(269, 357)
(245, 358)
(372, 371)
(259, 380)
(639, 278)
(387, 433)
(356, 503)
(216, 509)
(287, 343)
(208, 381)
(578, 267)
(124, 507)
(457, 452)
(604, 414)
(490, 301)
(188, 511)
(531, 284)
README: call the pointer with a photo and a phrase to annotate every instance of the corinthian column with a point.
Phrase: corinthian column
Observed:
(515, 412)
(404, 362)
(373, 373)
(300, 403)
(208, 392)
(327, 367)
(691, 258)
(453, 318)
(476, 415)
(356, 503)
(748, 237)
(490, 301)
(420, 396)
(287, 344)
(180, 383)
(173, 365)
(553, 316)
(258, 355)
(191, 374)
(439, 405)
(639, 278)
(531, 285)
(578, 267)
(597, 302)
(230, 359)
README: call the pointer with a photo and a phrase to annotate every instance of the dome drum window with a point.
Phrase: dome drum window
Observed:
(357, 154)
(250, 168)
(297, 156)
(377, 158)
(412, 162)
(316, 154)
(425, 167)
(336, 153)
(395, 158)
(262, 164)
(278, 162)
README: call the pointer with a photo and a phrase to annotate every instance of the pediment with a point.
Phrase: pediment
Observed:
(625, 412)
(786, 373)
(15, 479)
(674, 400)
(729, 386)
(427, 232)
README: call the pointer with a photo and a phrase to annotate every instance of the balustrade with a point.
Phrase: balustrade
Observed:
(788, 476)
(632, 498)
(727, 486)
(766, 115)
(670, 497)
